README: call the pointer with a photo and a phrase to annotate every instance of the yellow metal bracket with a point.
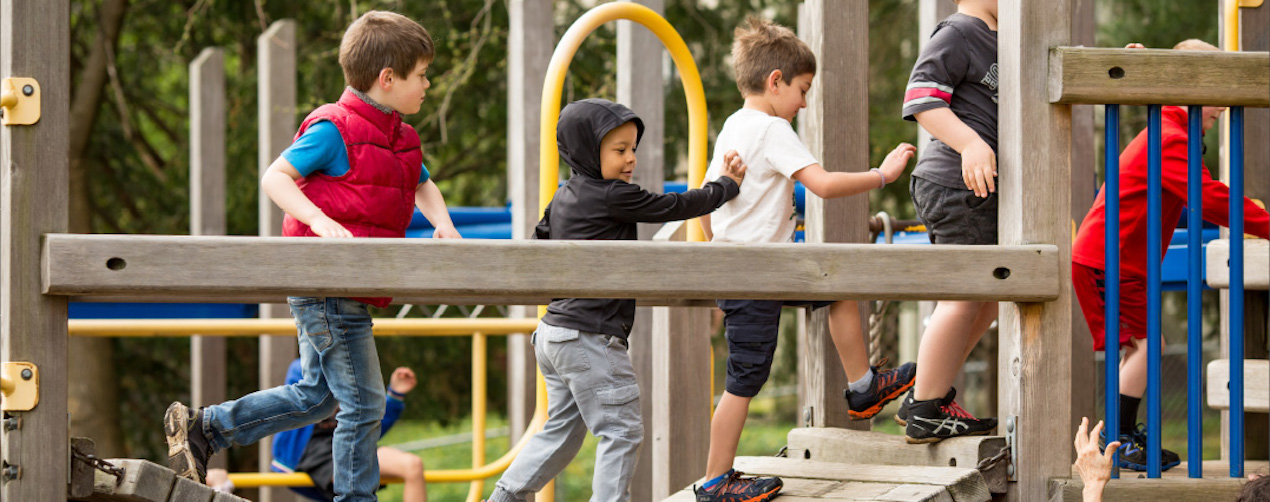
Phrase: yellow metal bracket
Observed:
(21, 385)
(1250, 4)
(20, 99)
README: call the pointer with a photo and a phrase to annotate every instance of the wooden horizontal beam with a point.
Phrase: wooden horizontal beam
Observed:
(1158, 77)
(167, 268)
(1256, 264)
(1256, 385)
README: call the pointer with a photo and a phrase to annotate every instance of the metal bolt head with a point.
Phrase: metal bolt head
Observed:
(28, 90)
(26, 374)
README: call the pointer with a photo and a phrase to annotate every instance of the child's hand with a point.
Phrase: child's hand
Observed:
(446, 232)
(978, 168)
(1135, 45)
(897, 161)
(733, 167)
(402, 380)
(1093, 464)
(324, 226)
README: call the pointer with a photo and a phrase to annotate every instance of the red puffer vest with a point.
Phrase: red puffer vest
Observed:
(376, 197)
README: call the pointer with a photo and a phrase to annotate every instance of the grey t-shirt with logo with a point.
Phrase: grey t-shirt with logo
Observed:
(957, 70)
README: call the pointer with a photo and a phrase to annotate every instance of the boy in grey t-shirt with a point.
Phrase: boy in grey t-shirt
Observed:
(952, 93)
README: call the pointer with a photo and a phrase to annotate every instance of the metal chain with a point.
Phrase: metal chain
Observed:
(987, 464)
(97, 463)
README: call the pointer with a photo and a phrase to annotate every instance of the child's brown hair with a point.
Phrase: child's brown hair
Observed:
(381, 39)
(760, 46)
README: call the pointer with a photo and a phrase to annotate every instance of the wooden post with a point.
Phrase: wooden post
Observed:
(681, 397)
(207, 210)
(1035, 194)
(639, 86)
(277, 117)
(530, 43)
(35, 43)
(1254, 35)
(1085, 185)
(837, 119)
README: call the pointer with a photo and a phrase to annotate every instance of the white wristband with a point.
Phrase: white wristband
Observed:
(880, 175)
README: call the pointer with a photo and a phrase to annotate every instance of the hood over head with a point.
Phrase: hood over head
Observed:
(583, 125)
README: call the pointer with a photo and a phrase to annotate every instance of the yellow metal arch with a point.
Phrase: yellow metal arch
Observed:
(549, 157)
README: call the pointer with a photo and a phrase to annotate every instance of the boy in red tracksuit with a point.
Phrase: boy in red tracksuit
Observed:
(1088, 256)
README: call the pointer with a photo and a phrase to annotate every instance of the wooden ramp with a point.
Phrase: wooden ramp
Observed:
(811, 480)
(1173, 486)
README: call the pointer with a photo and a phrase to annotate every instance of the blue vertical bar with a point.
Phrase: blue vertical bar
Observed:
(1111, 318)
(1154, 183)
(1237, 292)
(1194, 305)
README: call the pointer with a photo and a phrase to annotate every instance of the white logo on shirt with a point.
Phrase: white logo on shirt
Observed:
(990, 80)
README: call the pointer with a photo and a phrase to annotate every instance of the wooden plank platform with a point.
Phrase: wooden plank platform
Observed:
(847, 446)
(1095, 76)
(809, 480)
(1173, 485)
(1256, 264)
(1256, 385)
(167, 267)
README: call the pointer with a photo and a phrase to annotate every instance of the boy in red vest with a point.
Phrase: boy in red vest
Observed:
(1088, 256)
(355, 170)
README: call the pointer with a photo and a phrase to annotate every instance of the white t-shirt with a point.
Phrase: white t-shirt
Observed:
(772, 152)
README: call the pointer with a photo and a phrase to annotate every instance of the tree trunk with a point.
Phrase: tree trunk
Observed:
(93, 387)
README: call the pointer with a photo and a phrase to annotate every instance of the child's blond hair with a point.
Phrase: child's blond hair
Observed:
(1194, 44)
(759, 47)
(381, 39)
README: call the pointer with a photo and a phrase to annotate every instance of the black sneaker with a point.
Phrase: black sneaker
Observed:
(939, 419)
(188, 447)
(735, 488)
(887, 386)
(901, 415)
(1133, 451)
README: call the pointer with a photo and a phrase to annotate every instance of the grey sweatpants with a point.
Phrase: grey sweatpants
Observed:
(590, 386)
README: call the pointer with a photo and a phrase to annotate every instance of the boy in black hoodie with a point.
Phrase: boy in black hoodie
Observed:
(581, 342)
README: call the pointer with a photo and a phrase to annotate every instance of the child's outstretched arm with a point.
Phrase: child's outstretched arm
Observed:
(278, 183)
(627, 202)
(830, 185)
(978, 161)
(430, 202)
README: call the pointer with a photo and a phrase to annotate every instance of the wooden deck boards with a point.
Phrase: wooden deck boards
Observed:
(808, 480)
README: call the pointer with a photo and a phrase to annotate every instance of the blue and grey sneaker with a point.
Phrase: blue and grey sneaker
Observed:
(1133, 451)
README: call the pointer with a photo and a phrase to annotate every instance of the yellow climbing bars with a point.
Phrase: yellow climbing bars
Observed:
(549, 157)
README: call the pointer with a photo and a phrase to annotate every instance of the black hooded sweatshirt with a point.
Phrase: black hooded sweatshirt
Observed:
(589, 207)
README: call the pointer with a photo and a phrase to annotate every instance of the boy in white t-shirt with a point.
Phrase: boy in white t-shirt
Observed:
(774, 70)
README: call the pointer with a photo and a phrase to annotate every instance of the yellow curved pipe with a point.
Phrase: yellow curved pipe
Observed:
(549, 157)
(286, 327)
(256, 479)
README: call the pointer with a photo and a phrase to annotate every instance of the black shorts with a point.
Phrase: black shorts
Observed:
(954, 215)
(752, 327)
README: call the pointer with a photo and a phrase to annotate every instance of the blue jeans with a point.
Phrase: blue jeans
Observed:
(340, 366)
